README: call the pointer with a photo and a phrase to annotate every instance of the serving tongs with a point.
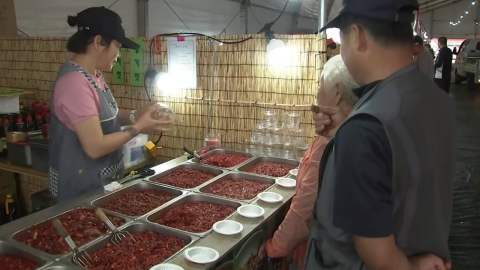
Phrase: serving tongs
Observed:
(192, 153)
(80, 257)
(117, 236)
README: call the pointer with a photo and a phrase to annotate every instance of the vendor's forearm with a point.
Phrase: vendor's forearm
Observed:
(95, 143)
(124, 116)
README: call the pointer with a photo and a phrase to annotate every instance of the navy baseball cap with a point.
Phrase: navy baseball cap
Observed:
(385, 10)
(104, 22)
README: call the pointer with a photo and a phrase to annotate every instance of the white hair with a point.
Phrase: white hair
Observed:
(335, 72)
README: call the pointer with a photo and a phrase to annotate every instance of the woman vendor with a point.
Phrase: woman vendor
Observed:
(290, 239)
(85, 130)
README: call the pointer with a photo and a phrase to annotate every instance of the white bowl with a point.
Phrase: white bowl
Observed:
(270, 197)
(166, 266)
(227, 227)
(294, 172)
(201, 255)
(286, 182)
(251, 211)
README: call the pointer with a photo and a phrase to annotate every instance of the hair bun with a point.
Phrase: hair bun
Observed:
(72, 21)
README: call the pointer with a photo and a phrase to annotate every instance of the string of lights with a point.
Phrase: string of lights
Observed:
(464, 14)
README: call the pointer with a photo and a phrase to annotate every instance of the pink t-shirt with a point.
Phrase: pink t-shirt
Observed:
(75, 99)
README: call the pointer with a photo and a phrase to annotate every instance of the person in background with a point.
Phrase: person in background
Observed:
(331, 47)
(443, 65)
(385, 199)
(85, 136)
(335, 90)
(423, 58)
(429, 48)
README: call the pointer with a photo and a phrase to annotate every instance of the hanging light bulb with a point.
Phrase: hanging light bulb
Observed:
(164, 82)
(277, 53)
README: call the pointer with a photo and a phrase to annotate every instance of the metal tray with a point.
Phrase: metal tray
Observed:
(251, 162)
(216, 172)
(58, 256)
(236, 175)
(139, 226)
(10, 249)
(138, 186)
(221, 151)
(60, 266)
(192, 197)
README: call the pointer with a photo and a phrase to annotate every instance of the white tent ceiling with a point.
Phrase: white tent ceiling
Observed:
(48, 17)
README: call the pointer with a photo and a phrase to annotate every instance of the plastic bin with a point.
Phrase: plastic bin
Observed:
(39, 149)
(19, 153)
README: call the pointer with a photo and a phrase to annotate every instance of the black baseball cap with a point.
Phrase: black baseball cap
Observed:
(418, 40)
(385, 10)
(104, 22)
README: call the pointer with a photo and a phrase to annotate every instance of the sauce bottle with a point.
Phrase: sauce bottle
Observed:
(29, 125)
(38, 122)
(20, 125)
(10, 208)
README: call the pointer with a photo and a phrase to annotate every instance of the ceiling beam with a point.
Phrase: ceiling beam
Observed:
(272, 9)
(438, 5)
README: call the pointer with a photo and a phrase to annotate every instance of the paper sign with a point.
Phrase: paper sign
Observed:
(136, 64)
(118, 71)
(182, 61)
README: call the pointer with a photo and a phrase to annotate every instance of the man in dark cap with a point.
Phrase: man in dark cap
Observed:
(423, 57)
(385, 199)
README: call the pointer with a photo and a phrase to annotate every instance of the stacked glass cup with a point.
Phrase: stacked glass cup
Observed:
(273, 138)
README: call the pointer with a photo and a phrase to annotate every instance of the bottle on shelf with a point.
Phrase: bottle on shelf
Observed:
(38, 122)
(29, 124)
(20, 126)
(10, 208)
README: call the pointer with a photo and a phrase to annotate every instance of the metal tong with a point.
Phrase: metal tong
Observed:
(117, 235)
(80, 257)
(192, 153)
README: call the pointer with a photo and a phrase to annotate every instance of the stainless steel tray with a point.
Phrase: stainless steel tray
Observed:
(138, 186)
(58, 256)
(192, 197)
(221, 151)
(251, 162)
(235, 175)
(60, 266)
(11, 249)
(139, 226)
(212, 170)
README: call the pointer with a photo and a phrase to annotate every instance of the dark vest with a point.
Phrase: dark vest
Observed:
(420, 124)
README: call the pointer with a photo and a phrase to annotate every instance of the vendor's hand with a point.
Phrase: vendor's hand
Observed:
(149, 125)
(327, 119)
(429, 261)
(145, 108)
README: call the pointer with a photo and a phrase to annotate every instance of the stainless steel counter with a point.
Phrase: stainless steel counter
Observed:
(223, 244)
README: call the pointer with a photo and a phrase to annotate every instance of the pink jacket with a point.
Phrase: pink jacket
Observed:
(292, 234)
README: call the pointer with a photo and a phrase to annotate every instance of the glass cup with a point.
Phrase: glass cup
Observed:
(213, 140)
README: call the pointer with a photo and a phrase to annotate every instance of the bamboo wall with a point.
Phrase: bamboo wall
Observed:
(243, 83)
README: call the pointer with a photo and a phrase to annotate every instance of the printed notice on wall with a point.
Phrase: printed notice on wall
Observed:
(182, 61)
(136, 64)
(118, 70)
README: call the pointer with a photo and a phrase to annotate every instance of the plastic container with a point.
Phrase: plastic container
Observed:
(270, 197)
(134, 150)
(201, 255)
(227, 227)
(19, 153)
(40, 157)
(286, 182)
(166, 266)
(250, 211)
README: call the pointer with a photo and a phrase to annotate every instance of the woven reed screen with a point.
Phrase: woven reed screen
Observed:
(242, 83)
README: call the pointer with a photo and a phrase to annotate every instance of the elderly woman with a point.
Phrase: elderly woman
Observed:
(291, 236)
